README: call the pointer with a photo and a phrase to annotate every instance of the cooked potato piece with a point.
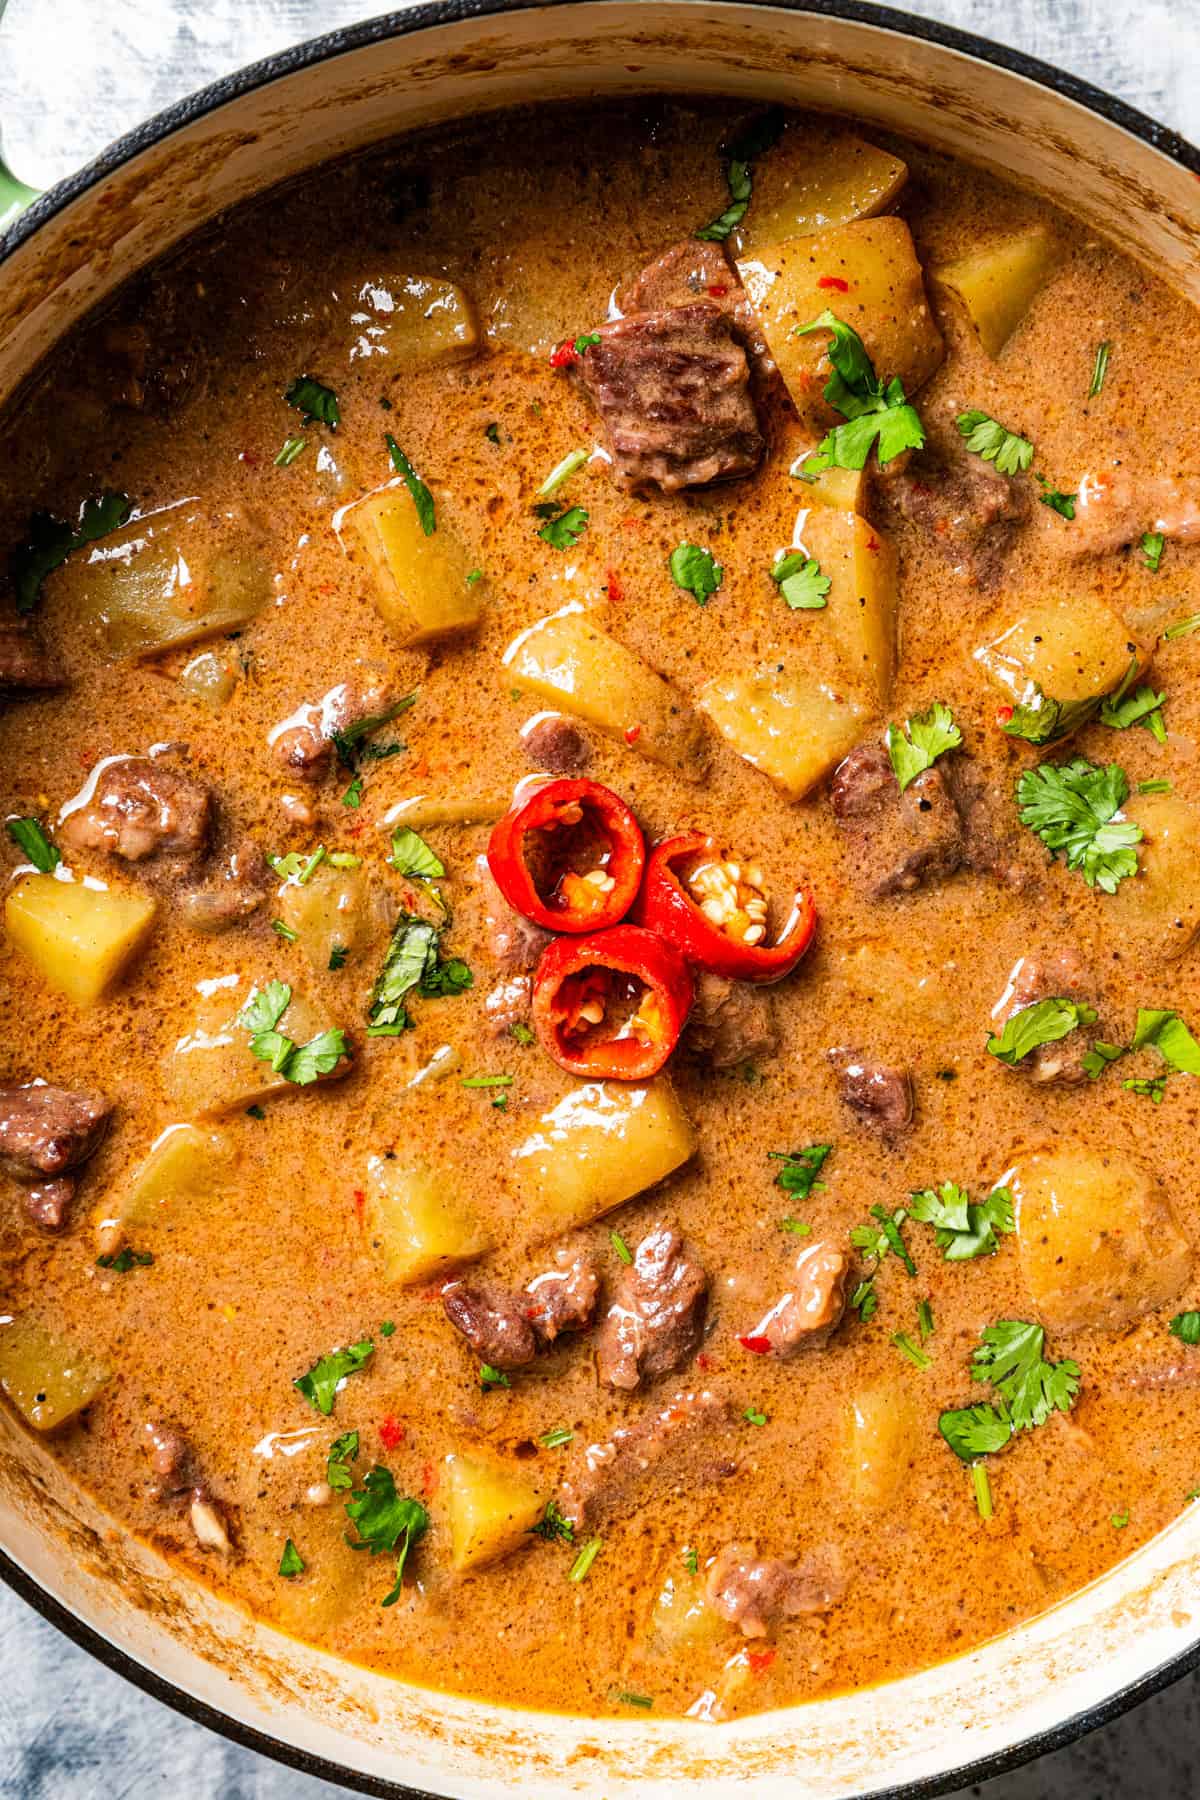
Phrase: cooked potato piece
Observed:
(422, 586)
(332, 907)
(312, 1603)
(604, 1142)
(79, 939)
(681, 1617)
(568, 660)
(212, 1068)
(211, 678)
(185, 1167)
(417, 1221)
(785, 722)
(999, 283)
(1159, 907)
(413, 319)
(842, 489)
(859, 616)
(1072, 650)
(165, 580)
(1100, 1245)
(885, 303)
(817, 178)
(491, 1510)
(47, 1379)
(880, 1443)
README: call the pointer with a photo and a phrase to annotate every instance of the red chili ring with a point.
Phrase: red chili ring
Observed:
(666, 906)
(534, 851)
(641, 972)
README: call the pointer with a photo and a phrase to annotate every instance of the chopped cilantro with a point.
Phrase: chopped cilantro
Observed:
(492, 432)
(1039, 720)
(757, 138)
(1186, 1327)
(1152, 546)
(754, 1415)
(342, 1452)
(877, 1243)
(555, 1439)
(798, 1175)
(1062, 504)
(354, 793)
(1045, 1022)
(1029, 1390)
(413, 964)
(923, 739)
(1161, 786)
(387, 1329)
(284, 931)
(298, 1063)
(797, 1227)
(521, 1033)
(411, 855)
(1163, 1030)
(291, 1562)
(876, 413)
(913, 1352)
(1119, 1520)
(293, 447)
(924, 1319)
(337, 956)
(1073, 809)
(562, 472)
(52, 540)
(585, 341)
(563, 529)
(352, 748)
(963, 1228)
(28, 835)
(553, 1526)
(691, 1561)
(255, 1112)
(491, 1377)
(987, 438)
(326, 1376)
(983, 1490)
(1144, 707)
(585, 1559)
(800, 581)
(386, 1522)
(317, 404)
(620, 1246)
(696, 571)
(1099, 368)
(422, 499)
(486, 1081)
(124, 1260)
(1183, 627)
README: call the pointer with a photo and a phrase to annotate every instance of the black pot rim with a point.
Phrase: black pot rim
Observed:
(421, 17)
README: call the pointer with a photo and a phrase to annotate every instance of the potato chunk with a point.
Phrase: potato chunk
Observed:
(185, 1167)
(1099, 1241)
(491, 1510)
(413, 319)
(815, 179)
(999, 283)
(315, 1602)
(421, 585)
(681, 1618)
(47, 1379)
(1159, 907)
(417, 1221)
(165, 580)
(79, 939)
(786, 722)
(212, 1068)
(331, 908)
(859, 616)
(880, 1443)
(885, 302)
(1072, 651)
(603, 1143)
(569, 661)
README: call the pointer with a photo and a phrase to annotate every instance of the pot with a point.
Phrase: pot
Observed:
(1043, 1683)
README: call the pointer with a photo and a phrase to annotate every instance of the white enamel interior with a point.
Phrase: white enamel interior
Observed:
(1073, 1658)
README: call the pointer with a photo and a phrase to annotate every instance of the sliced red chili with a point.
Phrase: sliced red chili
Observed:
(564, 356)
(570, 857)
(611, 1004)
(717, 912)
(835, 282)
(758, 1346)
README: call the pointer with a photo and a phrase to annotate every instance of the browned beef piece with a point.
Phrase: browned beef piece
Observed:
(657, 1316)
(48, 1203)
(673, 391)
(515, 943)
(1060, 975)
(139, 808)
(990, 844)
(556, 744)
(966, 509)
(881, 1096)
(303, 743)
(24, 661)
(731, 1023)
(178, 1478)
(806, 1317)
(493, 1320)
(231, 893)
(565, 1297)
(689, 1443)
(49, 1130)
(894, 841)
(756, 1592)
(696, 270)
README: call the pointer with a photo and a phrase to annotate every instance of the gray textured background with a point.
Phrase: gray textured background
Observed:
(76, 73)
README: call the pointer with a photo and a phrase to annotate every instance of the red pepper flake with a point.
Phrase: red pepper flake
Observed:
(718, 290)
(872, 543)
(759, 1661)
(759, 1346)
(616, 592)
(565, 356)
(834, 281)
(706, 1362)
(360, 1200)
(326, 587)
(248, 457)
(1003, 714)
(429, 1480)
(391, 1432)
(632, 733)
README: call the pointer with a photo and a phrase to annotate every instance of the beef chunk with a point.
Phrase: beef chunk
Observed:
(564, 1298)
(695, 270)
(303, 744)
(557, 744)
(179, 1479)
(673, 391)
(48, 1203)
(731, 1023)
(1061, 975)
(1116, 507)
(657, 1315)
(494, 1322)
(49, 1130)
(809, 1313)
(24, 661)
(232, 892)
(895, 841)
(139, 808)
(990, 845)
(881, 1096)
(691, 1442)
(756, 1592)
(515, 943)
(965, 507)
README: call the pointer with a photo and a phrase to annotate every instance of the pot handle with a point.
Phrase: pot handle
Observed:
(15, 195)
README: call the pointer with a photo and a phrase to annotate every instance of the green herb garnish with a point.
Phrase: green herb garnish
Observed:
(298, 1063)
(1045, 1022)
(386, 1522)
(28, 835)
(922, 740)
(317, 404)
(696, 571)
(326, 1376)
(291, 1562)
(963, 1228)
(52, 540)
(987, 438)
(800, 581)
(876, 413)
(422, 499)
(1073, 810)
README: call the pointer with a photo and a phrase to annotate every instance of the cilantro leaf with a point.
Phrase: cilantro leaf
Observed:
(411, 855)
(1170, 1037)
(320, 1056)
(1144, 707)
(1039, 720)
(583, 343)
(325, 1377)
(1045, 1022)
(563, 530)
(758, 137)
(317, 403)
(877, 413)
(125, 1259)
(413, 963)
(291, 1562)
(298, 1063)
(386, 1522)
(1073, 809)
(573, 460)
(696, 571)
(1062, 504)
(973, 1431)
(964, 1229)
(352, 748)
(1099, 368)
(987, 438)
(1152, 546)
(918, 745)
(422, 499)
(342, 1452)
(52, 540)
(1186, 1327)
(800, 581)
(877, 1244)
(798, 1175)
(1099, 1057)
(1010, 1357)
(265, 1007)
(553, 1526)
(28, 835)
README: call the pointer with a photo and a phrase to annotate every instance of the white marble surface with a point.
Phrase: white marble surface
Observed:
(76, 73)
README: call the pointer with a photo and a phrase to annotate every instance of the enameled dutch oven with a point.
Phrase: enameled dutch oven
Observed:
(1025, 1693)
